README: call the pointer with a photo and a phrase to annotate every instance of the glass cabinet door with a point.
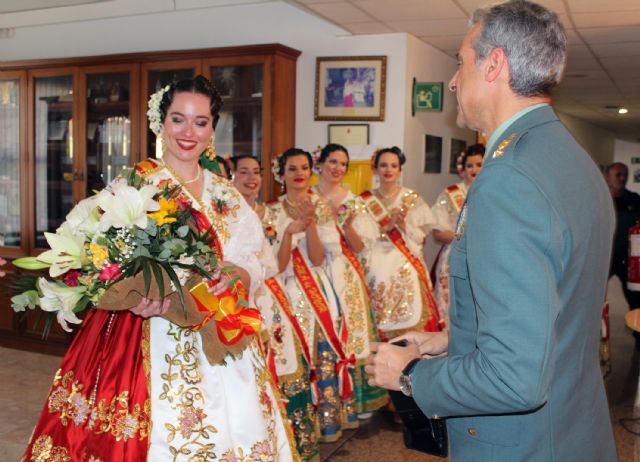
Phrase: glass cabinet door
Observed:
(10, 160)
(156, 79)
(54, 174)
(108, 132)
(239, 130)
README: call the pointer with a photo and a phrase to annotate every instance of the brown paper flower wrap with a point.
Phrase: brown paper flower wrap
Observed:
(128, 293)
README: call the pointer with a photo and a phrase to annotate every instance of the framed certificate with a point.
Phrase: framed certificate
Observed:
(348, 134)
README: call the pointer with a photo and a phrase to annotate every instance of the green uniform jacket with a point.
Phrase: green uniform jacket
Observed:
(528, 277)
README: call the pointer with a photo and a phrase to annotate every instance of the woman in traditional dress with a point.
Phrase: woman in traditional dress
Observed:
(134, 386)
(446, 211)
(305, 239)
(400, 289)
(357, 232)
(286, 349)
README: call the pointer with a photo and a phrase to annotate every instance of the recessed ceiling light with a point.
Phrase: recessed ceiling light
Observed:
(623, 110)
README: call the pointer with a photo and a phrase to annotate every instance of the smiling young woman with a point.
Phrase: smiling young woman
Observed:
(134, 386)
(357, 232)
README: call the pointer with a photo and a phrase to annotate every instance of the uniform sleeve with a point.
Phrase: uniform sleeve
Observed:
(514, 253)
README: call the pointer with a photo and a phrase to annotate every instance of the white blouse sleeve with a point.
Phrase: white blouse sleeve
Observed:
(441, 213)
(420, 222)
(245, 244)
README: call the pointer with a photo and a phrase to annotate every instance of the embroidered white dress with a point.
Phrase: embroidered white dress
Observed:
(352, 293)
(332, 413)
(446, 215)
(397, 293)
(225, 412)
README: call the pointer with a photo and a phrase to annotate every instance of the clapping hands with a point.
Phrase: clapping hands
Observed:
(305, 216)
(397, 218)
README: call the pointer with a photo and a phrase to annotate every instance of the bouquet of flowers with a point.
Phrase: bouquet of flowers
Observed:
(133, 237)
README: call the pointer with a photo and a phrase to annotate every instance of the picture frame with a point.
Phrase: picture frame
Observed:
(350, 88)
(432, 154)
(457, 147)
(348, 134)
(427, 97)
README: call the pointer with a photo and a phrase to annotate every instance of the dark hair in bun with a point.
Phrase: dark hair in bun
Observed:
(292, 152)
(393, 150)
(198, 84)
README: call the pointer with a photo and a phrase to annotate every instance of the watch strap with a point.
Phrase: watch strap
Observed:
(408, 369)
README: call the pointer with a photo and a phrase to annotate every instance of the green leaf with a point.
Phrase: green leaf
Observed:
(82, 305)
(176, 282)
(182, 231)
(146, 274)
(164, 254)
(24, 283)
(30, 263)
(157, 272)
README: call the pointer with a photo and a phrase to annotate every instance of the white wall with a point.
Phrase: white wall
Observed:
(597, 141)
(428, 64)
(627, 153)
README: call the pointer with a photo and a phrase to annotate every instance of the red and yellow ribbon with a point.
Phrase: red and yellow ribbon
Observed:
(323, 315)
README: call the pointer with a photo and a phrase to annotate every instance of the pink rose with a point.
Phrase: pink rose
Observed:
(110, 271)
(71, 278)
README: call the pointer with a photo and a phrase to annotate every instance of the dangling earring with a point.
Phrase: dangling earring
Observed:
(211, 149)
(161, 146)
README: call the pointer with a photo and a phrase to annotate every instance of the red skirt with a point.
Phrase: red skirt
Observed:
(98, 408)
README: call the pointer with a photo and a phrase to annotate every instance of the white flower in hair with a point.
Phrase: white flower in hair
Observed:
(153, 114)
(275, 169)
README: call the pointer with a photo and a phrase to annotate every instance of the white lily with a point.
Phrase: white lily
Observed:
(67, 250)
(127, 206)
(84, 217)
(61, 298)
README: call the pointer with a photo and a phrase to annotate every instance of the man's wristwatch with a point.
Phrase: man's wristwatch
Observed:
(405, 378)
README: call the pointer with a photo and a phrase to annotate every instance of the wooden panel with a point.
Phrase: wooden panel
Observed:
(278, 128)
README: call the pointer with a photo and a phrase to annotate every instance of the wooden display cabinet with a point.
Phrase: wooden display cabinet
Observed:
(68, 126)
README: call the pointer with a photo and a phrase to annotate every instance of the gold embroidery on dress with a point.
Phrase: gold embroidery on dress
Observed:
(392, 304)
(356, 311)
(188, 400)
(43, 450)
(113, 417)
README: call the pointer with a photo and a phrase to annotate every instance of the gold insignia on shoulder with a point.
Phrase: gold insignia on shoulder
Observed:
(502, 146)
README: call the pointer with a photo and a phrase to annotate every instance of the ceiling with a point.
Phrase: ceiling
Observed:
(13, 6)
(603, 70)
(603, 65)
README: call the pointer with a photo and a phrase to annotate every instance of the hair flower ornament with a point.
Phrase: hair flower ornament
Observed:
(275, 169)
(459, 164)
(153, 114)
(315, 155)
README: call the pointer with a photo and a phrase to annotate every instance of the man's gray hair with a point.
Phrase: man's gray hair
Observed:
(533, 40)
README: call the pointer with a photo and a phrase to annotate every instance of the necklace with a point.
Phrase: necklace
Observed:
(291, 210)
(388, 198)
(184, 182)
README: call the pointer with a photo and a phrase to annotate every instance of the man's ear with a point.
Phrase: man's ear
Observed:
(495, 64)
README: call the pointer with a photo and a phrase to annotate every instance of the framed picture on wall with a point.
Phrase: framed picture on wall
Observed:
(350, 88)
(348, 134)
(432, 154)
(457, 148)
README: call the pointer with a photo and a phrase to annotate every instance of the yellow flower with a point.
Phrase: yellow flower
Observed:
(167, 208)
(98, 254)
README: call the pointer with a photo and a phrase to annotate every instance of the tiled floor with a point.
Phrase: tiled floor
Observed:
(26, 378)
